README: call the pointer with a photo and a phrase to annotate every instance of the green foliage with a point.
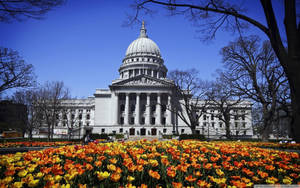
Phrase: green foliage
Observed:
(95, 136)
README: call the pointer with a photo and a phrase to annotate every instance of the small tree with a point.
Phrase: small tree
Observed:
(70, 121)
(29, 99)
(189, 91)
(49, 103)
(14, 72)
(224, 99)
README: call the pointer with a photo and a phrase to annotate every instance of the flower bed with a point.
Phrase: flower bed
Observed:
(149, 164)
(295, 146)
(35, 144)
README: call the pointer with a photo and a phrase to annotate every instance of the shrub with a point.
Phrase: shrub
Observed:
(95, 136)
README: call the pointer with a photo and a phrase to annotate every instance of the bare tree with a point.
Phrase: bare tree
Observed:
(225, 101)
(189, 91)
(21, 9)
(256, 73)
(49, 100)
(14, 72)
(29, 99)
(70, 120)
(228, 15)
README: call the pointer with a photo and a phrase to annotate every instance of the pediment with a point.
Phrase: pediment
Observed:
(144, 80)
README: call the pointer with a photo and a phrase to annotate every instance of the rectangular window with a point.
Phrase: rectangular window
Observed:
(220, 125)
(212, 117)
(102, 130)
(121, 130)
(204, 117)
(236, 125)
(182, 131)
(152, 120)
(244, 125)
(213, 124)
(164, 130)
(114, 132)
(87, 124)
(245, 132)
(243, 117)
(143, 121)
(163, 121)
(88, 116)
(236, 117)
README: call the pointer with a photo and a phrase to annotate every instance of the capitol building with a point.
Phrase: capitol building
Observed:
(139, 103)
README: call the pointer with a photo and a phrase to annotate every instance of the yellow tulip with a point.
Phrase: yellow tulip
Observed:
(7, 180)
(130, 178)
(57, 178)
(39, 175)
(102, 175)
(33, 183)
(65, 186)
(22, 173)
(17, 184)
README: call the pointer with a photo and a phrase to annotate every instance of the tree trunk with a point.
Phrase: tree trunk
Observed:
(295, 96)
(193, 129)
(49, 132)
(228, 132)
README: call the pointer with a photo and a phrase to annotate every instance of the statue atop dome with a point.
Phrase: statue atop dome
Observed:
(143, 32)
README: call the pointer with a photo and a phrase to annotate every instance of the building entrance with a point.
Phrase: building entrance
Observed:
(143, 131)
(131, 131)
(153, 131)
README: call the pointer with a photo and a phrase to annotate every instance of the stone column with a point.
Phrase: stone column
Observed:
(152, 73)
(169, 111)
(158, 110)
(116, 115)
(137, 109)
(126, 119)
(148, 112)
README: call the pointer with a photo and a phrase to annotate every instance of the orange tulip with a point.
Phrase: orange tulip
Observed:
(154, 174)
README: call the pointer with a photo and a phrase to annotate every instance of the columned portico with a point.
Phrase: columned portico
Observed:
(137, 109)
(116, 112)
(148, 112)
(169, 111)
(126, 118)
(158, 109)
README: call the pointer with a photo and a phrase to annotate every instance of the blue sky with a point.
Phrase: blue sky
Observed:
(83, 42)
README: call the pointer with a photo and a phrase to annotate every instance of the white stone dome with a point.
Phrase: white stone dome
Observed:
(143, 46)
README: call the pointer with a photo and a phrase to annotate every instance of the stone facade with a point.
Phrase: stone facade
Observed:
(138, 102)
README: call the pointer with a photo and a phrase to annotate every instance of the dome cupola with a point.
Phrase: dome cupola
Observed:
(143, 57)
(143, 45)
